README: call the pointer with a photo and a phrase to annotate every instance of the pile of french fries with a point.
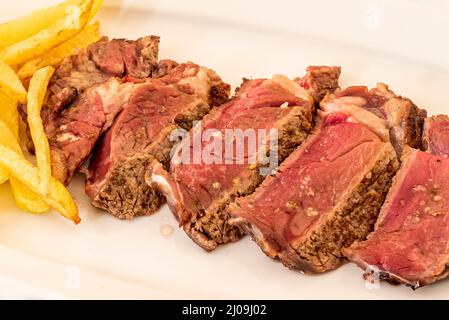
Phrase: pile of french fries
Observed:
(30, 47)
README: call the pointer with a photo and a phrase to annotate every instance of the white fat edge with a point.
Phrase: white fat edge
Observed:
(237, 221)
(265, 246)
(201, 82)
(352, 107)
(396, 110)
(384, 90)
(67, 136)
(291, 86)
(163, 184)
(284, 105)
(114, 95)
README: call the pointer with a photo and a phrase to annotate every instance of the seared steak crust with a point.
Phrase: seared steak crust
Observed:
(320, 80)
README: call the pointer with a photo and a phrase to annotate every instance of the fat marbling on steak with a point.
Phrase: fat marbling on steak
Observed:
(324, 196)
(198, 193)
(143, 132)
(410, 243)
(403, 118)
(86, 93)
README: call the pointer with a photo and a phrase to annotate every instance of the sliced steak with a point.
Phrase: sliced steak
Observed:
(86, 93)
(411, 237)
(198, 190)
(72, 133)
(410, 243)
(143, 132)
(323, 197)
(436, 135)
(404, 119)
(99, 62)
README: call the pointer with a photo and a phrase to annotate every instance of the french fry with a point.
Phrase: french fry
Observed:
(6, 136)
(62, 30)
(24, 197)
(9, 116)
(3, 176)
(95, 7)
(25, 27)
(10, 82)
(11, 89)
(87, 36)
(58, 198)
(36, 95)
(9, 113)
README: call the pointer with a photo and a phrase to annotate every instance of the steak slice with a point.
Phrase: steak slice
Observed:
(198, 190)
(72, 133)
(436, 135)
(86, 93)
(410, 242)
(404, 119)
(143, 132)
(323, 197)
(98, 63)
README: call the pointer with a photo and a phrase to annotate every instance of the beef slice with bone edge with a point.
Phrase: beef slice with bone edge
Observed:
(324, 196)
(403, 118)
(410, 242)
(86, 93)
(144, 131)
(199, 192)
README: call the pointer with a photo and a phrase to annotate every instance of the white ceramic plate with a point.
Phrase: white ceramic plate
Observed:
(402, 43)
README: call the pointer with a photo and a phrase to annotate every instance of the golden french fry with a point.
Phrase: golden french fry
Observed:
(25, 27)
(36, 95)
(9, 113)
(87, 36)
(95, 7)
(10, 82)
(6, 137)
(59, 197)
(25, 198)
(62, 30)
(3, 176)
